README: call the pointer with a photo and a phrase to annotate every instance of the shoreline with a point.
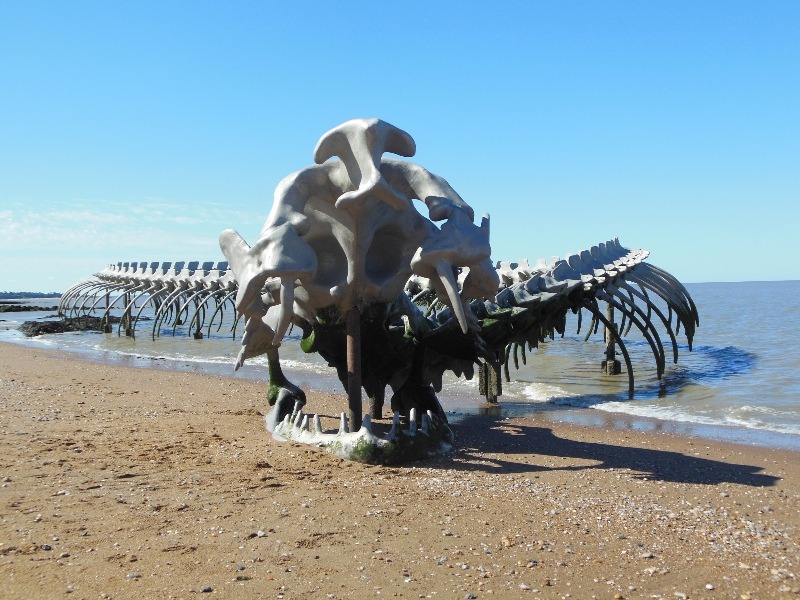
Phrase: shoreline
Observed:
(116, 483)
(457, 404)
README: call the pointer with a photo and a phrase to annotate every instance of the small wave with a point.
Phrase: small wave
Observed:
(662, 413)
(764, 425)
(671, 413)
(39, 340)
(213, 360)
(544, 392)
(298, 365)
(765, 410)
(225, 359)
(450, 379)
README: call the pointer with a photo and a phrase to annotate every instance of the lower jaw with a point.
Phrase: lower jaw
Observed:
(433, 437)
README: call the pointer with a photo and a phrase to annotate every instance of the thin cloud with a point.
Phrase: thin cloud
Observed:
(148, 226)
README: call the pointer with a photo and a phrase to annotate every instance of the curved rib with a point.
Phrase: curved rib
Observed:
(677, 284)
(74, 291)
(220, 305)
(658, 350)
(591, 304)
(675, 302)
(76, 308)
(658, 312)
(165, 308)
(192, 298)
(119, 296)
(99, 297)
(212, 294)
(152, 298)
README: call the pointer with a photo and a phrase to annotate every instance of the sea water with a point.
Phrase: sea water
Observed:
(740, 382)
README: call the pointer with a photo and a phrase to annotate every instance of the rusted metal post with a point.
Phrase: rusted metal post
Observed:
(354, 368)
(611, 366)
(107, 321)
(198, 331)
(127, 316)
(376, 404)
(490, 382)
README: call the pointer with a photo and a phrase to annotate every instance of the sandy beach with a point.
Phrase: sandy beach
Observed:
(132, 483)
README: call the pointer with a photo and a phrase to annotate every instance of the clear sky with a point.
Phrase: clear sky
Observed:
(140, 130)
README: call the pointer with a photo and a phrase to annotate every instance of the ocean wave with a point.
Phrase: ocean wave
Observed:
(544, 392)
(681, 415)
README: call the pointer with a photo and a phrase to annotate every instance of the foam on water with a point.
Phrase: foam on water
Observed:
(543, 392)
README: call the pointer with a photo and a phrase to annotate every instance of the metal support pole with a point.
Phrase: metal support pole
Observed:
(376, 403)
(107, 321)
(127, 316)
(198, 331)
(611, 366)
(490, 381)
(354, 368)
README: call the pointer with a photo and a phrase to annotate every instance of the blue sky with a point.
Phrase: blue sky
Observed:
(140, 130)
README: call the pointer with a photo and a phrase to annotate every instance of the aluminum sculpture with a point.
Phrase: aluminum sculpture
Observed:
(346, 256)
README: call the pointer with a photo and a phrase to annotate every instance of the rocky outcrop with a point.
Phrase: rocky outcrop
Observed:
(34, 328)
(14, 307)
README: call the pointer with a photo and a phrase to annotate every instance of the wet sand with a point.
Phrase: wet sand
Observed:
(120, 482)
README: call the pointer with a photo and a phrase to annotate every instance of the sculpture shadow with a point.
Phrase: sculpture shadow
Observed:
(486, 434)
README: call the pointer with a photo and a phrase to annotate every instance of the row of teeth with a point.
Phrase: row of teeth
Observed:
(298, 425)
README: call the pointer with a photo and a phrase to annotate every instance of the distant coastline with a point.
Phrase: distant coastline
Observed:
(21, 295)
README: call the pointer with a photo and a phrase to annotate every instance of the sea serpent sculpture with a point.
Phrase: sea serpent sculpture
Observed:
(387, 297)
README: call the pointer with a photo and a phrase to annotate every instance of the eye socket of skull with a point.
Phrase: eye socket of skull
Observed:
(385, 254)
(331, 260)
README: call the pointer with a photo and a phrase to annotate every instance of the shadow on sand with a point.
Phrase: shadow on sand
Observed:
(487, 434)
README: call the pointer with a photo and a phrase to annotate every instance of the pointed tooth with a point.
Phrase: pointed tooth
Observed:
(317, 424)
(287, 420)
(297, 407)
(445, 271)
(297, 418)
(426, 424)
(395, 426)
(287, 310)
(412, 421)
(304, 423)
(239, 359)
(366, 423)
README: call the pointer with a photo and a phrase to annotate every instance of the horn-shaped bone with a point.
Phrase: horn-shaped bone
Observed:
(459, 243)
(280, 253)
(359, 144)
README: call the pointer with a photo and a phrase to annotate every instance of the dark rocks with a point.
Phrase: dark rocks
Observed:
(34, 328)
(14, 307)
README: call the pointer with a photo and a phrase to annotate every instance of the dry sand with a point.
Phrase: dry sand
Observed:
(134, 483)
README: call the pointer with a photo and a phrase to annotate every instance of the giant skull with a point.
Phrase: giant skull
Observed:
(345, 233)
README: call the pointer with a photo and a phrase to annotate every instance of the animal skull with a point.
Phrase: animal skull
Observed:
(345, 233)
